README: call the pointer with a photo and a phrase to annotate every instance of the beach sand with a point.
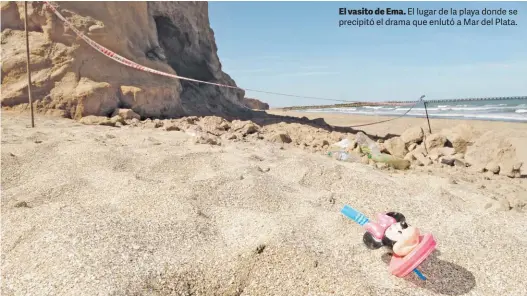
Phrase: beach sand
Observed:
(398, 126)
(98, 210)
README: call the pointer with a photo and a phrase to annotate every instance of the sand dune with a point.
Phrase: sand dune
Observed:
(98, 210)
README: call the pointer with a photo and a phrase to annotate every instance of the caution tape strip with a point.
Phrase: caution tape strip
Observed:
(122, 60)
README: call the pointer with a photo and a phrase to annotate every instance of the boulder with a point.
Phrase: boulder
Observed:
(396, 147)
(460, 137)
(435, 141)
(412, 135)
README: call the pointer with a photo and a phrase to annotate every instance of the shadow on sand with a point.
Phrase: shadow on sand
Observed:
(443, 277)
(262, 118)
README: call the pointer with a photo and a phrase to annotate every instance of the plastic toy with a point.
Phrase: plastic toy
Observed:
(410, 248)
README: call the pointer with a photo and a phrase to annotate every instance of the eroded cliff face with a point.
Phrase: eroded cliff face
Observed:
(72, 79)
(255, 104)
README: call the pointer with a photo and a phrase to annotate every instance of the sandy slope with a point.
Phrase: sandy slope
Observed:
(130, 211)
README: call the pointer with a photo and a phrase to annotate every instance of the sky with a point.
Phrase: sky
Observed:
(298, 48)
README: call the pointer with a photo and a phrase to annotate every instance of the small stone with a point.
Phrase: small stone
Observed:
(38, 141)
(170, 127)
(447, 161)
(493, 167)
(22, 204)
(260, 248)
(451, 180)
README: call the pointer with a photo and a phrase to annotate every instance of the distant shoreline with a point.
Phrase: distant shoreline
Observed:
(421, 116)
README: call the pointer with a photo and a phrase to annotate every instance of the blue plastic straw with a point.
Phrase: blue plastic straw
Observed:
(419, 274)
(354, 215)
(362, 220)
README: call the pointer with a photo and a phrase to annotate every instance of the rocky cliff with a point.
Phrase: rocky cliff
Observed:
(255, 104)
(73, 80)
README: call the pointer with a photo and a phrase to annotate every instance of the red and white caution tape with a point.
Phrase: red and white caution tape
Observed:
(122, 60)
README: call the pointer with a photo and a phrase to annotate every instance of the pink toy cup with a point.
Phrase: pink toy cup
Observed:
(402, 266)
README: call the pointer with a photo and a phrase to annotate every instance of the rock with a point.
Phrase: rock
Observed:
(460, 137)
(133, 122)
(117, 119)
(451, 180)
(423, 160)
(255, 104)
(396, 147)
(412, 135)
(96, 120)
(229, 136)
(204, 138)
(22, 204)
(412, 147)
(459, 163)
(170, 126)
(400, 164)
(489, 175)
(515, 171)
(216, 125)
(126, 114)
(280, 137)
(448, 161)
(435, 141)
(493, 167)
(244, 127)
(163, 35)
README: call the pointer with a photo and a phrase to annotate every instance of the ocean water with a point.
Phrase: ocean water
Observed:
(514, 110)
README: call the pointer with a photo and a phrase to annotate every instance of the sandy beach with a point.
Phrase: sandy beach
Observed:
(139, 210)
(398, 126)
